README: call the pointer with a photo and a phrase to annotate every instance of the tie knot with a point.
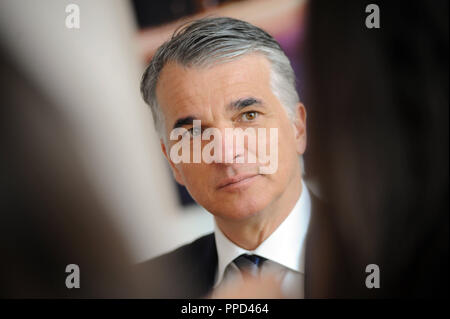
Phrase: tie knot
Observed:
(249, 264)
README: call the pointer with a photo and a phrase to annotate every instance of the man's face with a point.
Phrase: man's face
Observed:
(234, 94)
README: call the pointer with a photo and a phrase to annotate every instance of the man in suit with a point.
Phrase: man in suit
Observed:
(228, 73)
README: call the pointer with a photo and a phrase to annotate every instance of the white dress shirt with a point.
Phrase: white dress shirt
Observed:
(284, 250)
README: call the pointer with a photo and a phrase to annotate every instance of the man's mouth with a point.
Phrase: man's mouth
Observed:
(237, 181)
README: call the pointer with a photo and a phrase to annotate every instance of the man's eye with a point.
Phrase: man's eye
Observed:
(194, 131)
(249, 116)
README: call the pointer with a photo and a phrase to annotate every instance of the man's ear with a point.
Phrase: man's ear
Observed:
(175, 171)
(300, 128)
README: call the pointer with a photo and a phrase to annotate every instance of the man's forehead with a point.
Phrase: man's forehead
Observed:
(249, 63)
(222, 80)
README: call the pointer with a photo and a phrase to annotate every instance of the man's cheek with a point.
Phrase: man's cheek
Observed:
(193, 174)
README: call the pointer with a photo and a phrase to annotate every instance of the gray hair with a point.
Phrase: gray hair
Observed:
(216, 40)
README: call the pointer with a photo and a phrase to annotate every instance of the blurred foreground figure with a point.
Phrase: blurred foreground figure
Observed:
(378, 115)
(50, 214)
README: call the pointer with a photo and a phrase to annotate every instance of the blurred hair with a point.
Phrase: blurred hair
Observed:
(378, 137)
(51, 215)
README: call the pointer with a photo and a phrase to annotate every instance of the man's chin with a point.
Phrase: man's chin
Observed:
(238, 211)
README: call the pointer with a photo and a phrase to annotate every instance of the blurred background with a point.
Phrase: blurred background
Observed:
(79, 153)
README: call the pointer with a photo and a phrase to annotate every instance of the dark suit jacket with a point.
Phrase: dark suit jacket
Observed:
(189, 271)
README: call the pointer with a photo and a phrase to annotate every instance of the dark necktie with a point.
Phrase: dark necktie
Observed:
(249, 264)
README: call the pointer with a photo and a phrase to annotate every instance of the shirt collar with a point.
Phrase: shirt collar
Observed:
(290, 235)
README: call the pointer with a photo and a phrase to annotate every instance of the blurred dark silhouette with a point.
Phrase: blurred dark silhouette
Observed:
(377, 102)
(50, 213)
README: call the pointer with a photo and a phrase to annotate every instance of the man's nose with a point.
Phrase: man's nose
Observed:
(231, 152)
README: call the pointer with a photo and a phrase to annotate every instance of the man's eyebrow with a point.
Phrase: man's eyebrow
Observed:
(241, 103)
(184, 121)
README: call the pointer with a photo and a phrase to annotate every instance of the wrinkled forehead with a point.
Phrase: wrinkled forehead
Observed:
(192, 87)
